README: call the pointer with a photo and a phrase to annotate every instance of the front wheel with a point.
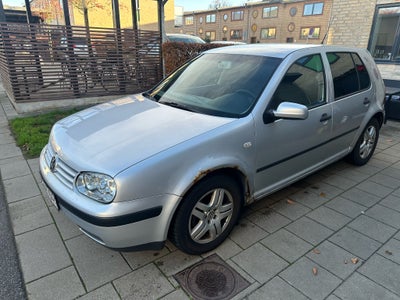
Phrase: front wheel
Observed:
(366, 144)
(207, 215)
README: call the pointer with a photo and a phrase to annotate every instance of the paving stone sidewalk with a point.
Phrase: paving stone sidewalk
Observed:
(333, 235)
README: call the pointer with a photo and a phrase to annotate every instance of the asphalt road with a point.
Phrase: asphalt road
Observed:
(11, 282)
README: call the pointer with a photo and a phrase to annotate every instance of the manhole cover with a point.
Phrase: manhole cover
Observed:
(211, 278)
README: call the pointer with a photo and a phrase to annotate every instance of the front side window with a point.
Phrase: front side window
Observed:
(270, 12)
(313, 9)
(226, 85)
(385, 39)
(268, 33)
(349, 73)
(303, 83)
(309, 33)
(236, 34)
(237, 15)
(210, 18)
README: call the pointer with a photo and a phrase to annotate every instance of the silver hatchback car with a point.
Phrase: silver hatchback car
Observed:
(228, 128)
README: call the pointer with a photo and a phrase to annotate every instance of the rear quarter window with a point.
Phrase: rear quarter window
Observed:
(348, 72)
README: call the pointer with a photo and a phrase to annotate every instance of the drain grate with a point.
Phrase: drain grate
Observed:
(211, 279)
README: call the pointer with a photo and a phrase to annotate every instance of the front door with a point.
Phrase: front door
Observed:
(287, 149)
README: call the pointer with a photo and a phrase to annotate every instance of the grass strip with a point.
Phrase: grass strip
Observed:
(32, 133)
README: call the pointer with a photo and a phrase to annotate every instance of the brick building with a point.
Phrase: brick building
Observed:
(267, 21)
(372, 24)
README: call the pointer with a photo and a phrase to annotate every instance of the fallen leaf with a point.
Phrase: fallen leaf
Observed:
(388, 252)
(390, 140)
(354, 260)
(315, 271)
(322, 195)
(289, 201)
(316, 251)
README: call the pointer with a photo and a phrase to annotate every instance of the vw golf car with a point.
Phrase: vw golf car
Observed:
(229, 127)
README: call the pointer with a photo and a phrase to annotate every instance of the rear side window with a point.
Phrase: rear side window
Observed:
(362, 72)
(349, 73)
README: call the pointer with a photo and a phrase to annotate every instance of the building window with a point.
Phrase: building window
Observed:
(384, 43)
(309, 33)
(268, 33)
(236, 34)
(210, 18)
(270, 12)
(189, 20)
(210, 35)
(237, 15)
(313, 9)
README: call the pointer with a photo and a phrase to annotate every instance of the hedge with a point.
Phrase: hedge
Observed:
(177, 53)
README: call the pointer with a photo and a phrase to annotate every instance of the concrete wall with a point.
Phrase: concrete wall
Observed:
(351, 22)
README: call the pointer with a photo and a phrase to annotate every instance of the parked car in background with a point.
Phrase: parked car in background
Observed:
(228, 43)
(184, 38)
(228, 128)
(79, 45)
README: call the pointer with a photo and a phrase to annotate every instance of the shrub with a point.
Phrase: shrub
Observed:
(177, 53)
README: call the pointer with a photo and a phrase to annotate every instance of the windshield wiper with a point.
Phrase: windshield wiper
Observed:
(148, 95)
(177, 105)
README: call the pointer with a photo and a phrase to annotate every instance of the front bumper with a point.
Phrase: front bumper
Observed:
(135, 224)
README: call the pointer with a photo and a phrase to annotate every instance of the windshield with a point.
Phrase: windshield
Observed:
(225, 85)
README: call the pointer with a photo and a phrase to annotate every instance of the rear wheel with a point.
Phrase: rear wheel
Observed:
(365, 146)
(207, 215)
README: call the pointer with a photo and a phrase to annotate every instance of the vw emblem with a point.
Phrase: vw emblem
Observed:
(53, 164)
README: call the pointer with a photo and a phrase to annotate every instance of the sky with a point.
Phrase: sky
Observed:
(14, 2)
(191, 5)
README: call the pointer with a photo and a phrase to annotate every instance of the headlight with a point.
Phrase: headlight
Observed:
(97, 186)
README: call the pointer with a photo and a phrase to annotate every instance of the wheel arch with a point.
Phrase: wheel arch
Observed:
(232, 172)
(380, 117)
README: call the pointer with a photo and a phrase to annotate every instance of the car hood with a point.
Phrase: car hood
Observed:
(112, 136)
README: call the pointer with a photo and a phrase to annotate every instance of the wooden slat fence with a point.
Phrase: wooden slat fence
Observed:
(48, 62)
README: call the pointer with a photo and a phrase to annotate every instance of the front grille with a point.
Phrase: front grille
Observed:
(62, 171)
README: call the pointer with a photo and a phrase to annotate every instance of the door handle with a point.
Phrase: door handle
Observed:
(366, 101)
(325, 117)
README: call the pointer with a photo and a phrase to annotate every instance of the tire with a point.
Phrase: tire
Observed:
(365, 146)
(207, 215)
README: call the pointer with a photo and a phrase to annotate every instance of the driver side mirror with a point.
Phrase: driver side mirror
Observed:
(286, 110)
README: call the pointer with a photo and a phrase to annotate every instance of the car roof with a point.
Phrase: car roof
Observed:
(179, 34)
(274, 50)
(184, 37)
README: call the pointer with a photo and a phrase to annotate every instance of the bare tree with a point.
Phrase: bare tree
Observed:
(219, 4)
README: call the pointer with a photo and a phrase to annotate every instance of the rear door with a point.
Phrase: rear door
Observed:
(352, 96)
